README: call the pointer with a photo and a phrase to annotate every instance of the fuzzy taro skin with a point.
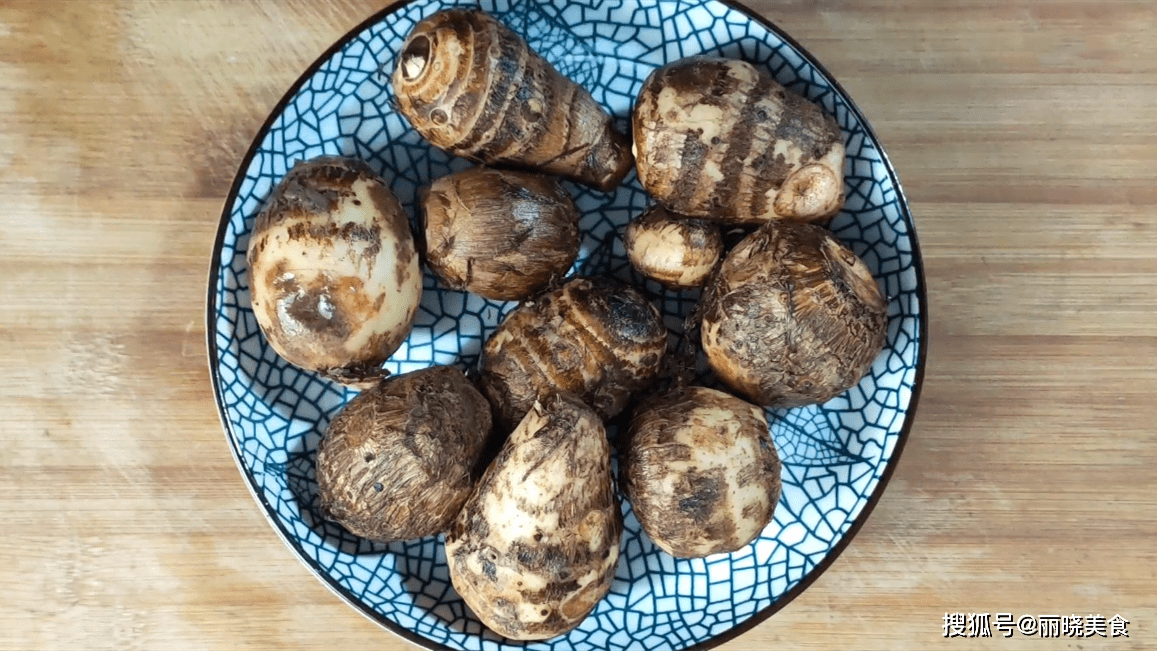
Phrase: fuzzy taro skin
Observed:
(793, 317)
(334, 273)
(535, 547)
(594, 337)
(503, 235)
(398, 461)
(719, 138)
(474, 88)
(701, 472)
(675, 251)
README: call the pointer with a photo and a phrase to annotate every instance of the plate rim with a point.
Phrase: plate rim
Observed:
(409, 635)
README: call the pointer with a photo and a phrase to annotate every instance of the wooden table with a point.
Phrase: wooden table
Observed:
(1024, 135)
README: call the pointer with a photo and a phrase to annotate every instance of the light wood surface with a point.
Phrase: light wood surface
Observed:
(1023, 133)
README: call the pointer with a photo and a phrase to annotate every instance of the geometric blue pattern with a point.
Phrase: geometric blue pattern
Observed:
(837, 456)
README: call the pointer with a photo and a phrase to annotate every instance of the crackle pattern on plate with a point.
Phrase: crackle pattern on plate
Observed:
(834, 455)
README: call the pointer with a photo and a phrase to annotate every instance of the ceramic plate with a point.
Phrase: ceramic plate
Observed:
(837, 457)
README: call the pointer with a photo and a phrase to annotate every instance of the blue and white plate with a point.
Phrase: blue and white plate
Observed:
(837, 457)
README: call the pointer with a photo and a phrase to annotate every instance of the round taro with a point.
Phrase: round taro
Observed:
(700, 471)
(399, 460)
(503, 235)
(792, 317)
(334, 274)
(675, 251)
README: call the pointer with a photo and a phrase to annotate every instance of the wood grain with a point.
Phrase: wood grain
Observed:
(1023, 133)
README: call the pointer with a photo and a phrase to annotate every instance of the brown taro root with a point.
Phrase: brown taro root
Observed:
(700, 471)
(719, 138)
(535, 547)
(333, 270)
(398, 461)
(792, 317)
(474, 88)
(675, 251)
(503, 235)
(594, 337)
